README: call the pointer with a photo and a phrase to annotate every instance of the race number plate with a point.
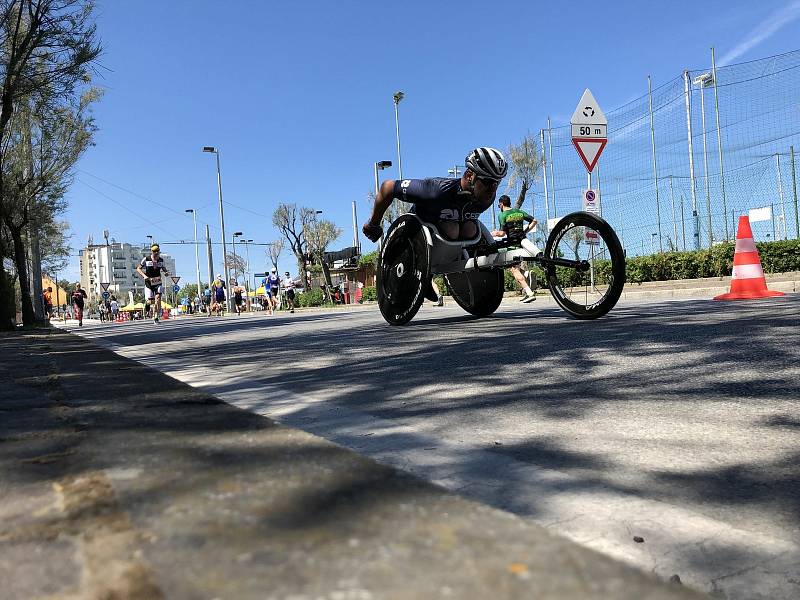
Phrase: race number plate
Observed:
(155, 281)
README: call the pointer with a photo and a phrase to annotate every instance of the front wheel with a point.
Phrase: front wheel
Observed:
(589, 291)
(403, 269)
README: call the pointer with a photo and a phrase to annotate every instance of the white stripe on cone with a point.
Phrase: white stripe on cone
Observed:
(745, 245)
(753, 271)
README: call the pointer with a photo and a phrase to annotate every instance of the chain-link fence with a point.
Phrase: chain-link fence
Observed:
(740, 126)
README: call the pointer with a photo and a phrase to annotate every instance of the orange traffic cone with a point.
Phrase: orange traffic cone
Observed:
(748, 277)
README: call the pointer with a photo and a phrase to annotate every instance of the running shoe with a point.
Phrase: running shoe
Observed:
(440, 301)
(528, 298)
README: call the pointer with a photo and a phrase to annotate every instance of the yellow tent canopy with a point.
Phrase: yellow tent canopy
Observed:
(133, 307)
(261, 291)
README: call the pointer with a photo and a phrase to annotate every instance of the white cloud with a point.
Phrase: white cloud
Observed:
(764, 30)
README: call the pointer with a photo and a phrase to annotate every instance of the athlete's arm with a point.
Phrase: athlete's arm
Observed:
(372, 228)
(140, 272)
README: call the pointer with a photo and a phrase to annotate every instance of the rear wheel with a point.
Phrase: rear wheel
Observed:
(403, 267)
(477, 292)
(589, 291)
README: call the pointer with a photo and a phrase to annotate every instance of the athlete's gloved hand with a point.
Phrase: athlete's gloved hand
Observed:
(373, 232)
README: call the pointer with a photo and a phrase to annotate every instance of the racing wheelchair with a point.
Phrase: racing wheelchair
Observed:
(583, 264)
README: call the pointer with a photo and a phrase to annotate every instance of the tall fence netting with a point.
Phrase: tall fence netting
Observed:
(759, 122)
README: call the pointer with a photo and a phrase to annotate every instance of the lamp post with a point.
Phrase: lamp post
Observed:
(196, 250)
(397, 97)
(215, 151)
(247, 272)
(703, 81)
(235, 270)
(380, 166)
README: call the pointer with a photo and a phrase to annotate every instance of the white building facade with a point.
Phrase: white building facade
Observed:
(115, 263)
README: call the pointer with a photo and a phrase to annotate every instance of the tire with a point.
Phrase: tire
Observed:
(571, 288)
(477, 292)
(403, 268)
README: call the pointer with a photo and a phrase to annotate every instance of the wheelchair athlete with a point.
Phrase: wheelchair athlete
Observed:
(453, 205)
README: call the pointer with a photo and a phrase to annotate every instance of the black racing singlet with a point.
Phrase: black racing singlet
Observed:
(439, 199)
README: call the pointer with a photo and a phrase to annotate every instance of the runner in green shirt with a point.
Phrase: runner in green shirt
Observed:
(512, 226)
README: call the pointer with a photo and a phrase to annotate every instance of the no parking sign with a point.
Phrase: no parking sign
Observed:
(591, 204)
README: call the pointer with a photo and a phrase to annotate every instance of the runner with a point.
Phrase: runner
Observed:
(237, 298)
(273, 288)
(78, 297)
(150, 269)
(219, 296)
(288, 285)
(114, 308)
(512, 227)
(47, 295)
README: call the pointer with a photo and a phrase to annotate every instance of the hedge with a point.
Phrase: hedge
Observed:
(776, 257)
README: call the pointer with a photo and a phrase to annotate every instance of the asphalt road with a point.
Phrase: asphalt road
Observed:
(674, 422)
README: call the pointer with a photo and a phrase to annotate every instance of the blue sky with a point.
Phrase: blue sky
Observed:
(298, 97)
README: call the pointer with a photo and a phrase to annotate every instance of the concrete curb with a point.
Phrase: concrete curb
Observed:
(132, 484)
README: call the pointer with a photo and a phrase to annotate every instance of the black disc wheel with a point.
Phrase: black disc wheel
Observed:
(591, 286)
(477, 292)
(403, 268)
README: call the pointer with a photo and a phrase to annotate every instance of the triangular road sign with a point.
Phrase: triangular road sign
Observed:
(105, 286)
(589, 149)
(588, 111)
(175, 280)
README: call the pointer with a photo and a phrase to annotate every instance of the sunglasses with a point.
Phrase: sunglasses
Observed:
(488, 182)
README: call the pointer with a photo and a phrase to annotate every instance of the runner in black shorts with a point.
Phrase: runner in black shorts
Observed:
(150, 269)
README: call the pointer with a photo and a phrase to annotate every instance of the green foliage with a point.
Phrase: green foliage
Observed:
(368, 258)
(370, 294)
(776, 257)
(311, 298)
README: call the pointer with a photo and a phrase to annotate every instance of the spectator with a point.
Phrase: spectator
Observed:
(289, 285)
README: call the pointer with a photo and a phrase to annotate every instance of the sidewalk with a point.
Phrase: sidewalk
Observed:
(119, 482)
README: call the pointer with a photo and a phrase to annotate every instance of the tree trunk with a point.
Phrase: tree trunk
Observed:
(22, 273)
(7, 305)
(36, 278)
(522, 192)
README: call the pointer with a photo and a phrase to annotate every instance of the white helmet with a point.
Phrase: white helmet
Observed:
(487, 162)
(274, 270)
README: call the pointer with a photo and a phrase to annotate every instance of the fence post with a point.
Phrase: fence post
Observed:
(794, 190)
(719, 145)
(552, 169)
(780, 193)
(655, 162)
(695, 216)
(674, 220)
(546, 197)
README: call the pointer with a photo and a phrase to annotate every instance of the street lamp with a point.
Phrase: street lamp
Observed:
(397, 97)
(703, 81)
(380, 166)
(653, 243)
(215, 151)
(235, 270)
(196, 250)
(247, 272)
